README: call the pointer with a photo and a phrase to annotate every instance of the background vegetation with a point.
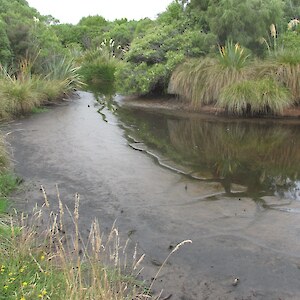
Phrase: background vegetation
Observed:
(202, 46)
(241, 56)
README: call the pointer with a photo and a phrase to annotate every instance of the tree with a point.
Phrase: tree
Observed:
(5, 50)
(244, 22)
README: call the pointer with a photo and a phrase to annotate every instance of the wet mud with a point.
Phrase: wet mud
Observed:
(159, 206)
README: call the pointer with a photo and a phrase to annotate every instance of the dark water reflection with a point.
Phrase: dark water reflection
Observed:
(249, 158)
(264, 158)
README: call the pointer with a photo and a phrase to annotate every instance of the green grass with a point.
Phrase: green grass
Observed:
(200, 81)
(38, 110)
(283, 67)
(252, 97)
(8, 183)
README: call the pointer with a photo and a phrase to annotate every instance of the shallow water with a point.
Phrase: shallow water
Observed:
(230, 186)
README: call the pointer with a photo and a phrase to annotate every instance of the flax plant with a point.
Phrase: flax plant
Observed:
(66, 71)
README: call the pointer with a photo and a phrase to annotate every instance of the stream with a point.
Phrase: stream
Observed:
(231, 186)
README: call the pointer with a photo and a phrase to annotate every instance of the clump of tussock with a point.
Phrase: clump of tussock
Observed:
(201, 81)
(284, 67)
(251, 97)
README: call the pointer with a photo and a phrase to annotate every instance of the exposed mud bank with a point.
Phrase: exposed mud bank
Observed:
(176, 105)
(157, 207)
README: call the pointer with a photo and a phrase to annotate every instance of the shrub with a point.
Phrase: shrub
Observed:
(152, 58)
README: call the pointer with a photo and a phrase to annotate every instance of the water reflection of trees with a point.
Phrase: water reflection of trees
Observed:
(258, 156)
(104, 94)
(264, 157)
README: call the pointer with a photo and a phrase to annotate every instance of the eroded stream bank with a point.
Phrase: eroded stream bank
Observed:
(237, 230)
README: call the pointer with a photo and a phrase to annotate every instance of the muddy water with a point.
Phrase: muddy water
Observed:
(230, 186)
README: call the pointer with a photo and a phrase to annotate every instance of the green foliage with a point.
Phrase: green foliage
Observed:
(26, 275)
(233, 56)
(143, 26)
(69, 34)
(253, 97)
(98, 72)
(44, 42)
(291, 10)
(243, 22)
(99, 65)
(8, 183)
(152, 58)
(200, 81)
(142, 79)
(121, 32)
(63, 69)
(5, 50)
(290, 41)
(93, 21)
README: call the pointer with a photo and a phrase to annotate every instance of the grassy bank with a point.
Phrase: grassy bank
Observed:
(238, 84)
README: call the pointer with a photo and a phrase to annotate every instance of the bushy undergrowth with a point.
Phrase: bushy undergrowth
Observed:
(152, 58)
(99, 65)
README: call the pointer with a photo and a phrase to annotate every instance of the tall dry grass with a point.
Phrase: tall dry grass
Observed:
(43, 258)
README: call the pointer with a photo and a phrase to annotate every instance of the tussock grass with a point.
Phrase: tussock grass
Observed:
(201, 81)
(19, 97)
(49, 90)
(255, 97)
(22, 92)
(284, 67)
(230, 82)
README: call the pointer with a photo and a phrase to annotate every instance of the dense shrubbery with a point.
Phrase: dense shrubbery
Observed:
(152, 57)
(142, 56)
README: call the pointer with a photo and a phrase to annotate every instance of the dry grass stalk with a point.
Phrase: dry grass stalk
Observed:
(165, 261)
